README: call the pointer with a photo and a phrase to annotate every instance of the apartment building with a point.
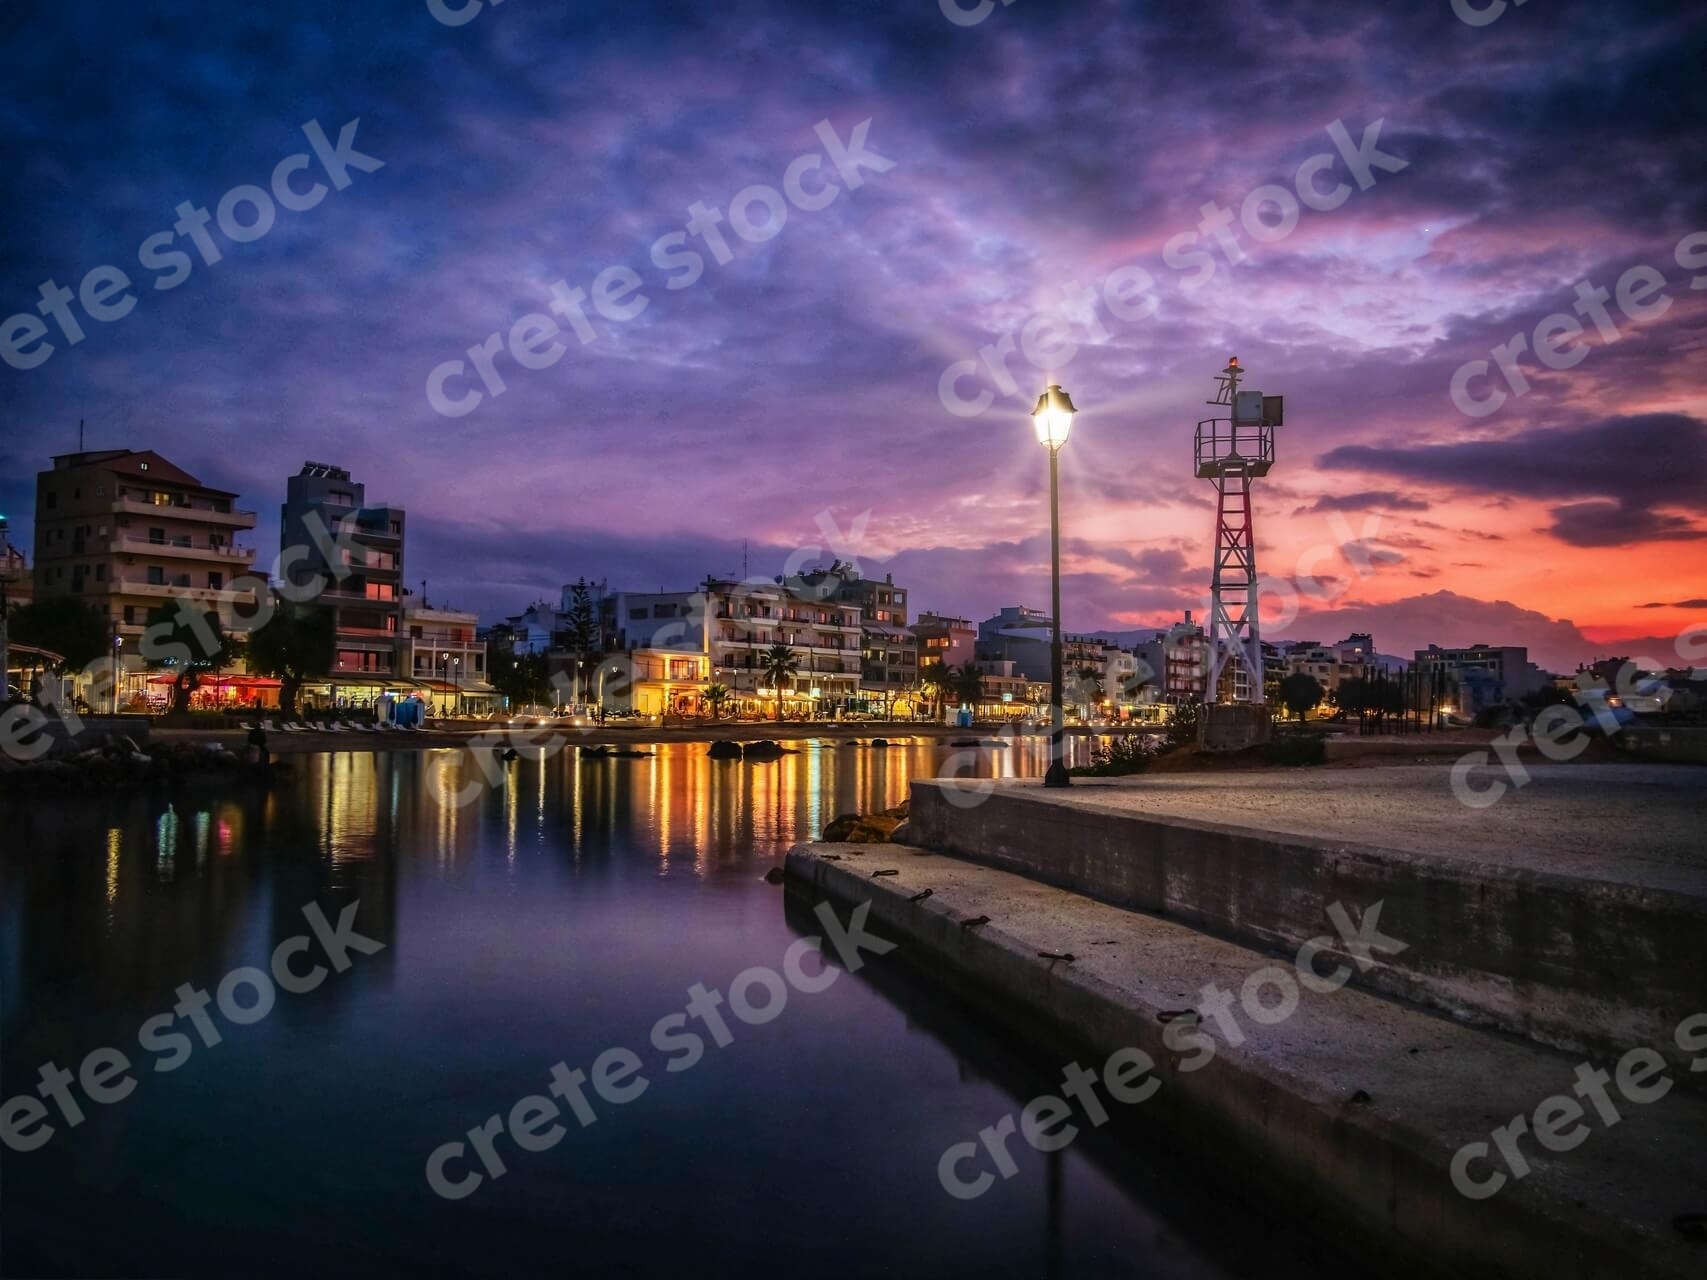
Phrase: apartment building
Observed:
(951, 641)
(441, 649)
(889, 652)
(331, 536)
(1481, 675)
(1185, 660)
(734, 623)
(1020, 635)
(129, 531)
(1353, 658)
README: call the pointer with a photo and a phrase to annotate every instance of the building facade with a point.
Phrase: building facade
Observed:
(950, 641)
(441, 650)
(733, 624)
(1353, 658)
(889, 652)
(130, 532)
(352, 553)
(1479, 676)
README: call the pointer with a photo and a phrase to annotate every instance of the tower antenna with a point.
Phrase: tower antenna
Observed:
(1233, 451)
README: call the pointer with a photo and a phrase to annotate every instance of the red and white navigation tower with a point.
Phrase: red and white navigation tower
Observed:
(1233, 451)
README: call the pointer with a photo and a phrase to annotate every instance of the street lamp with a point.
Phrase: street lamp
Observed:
(1053, 418)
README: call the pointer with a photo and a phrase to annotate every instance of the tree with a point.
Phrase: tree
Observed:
(938, 677)
(715, 696)
(1182, 723)
(581, 628)
(76, 630)
(969, 686)
(1302, 693)
(186, 643)
(296, 645)
(779, 662)
(521, 678)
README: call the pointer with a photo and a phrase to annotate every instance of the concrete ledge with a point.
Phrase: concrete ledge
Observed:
(1353, 1107)
(1582, 965)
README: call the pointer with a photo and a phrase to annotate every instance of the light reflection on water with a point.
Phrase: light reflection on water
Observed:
(548, 919)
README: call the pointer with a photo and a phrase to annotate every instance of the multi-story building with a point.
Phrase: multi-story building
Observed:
(1479, 676)
(1020, 635)
(656, 682)
(1005, 693)
(442, 650)
(1353, 658)
(951, 641)
(1185, 660)
(533, 631)
(329, 536)
(889, 662)
(130, 532)
(734, 623)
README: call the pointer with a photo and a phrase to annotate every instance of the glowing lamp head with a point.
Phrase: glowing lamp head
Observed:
(1053, 417)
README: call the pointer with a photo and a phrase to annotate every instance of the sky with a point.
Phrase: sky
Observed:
(788, 404)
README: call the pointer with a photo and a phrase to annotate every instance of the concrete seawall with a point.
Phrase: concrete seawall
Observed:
(1580, 963)
(1351, 1109)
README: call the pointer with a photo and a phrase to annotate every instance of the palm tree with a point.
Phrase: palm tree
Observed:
(779, 662)
(715, 696)
(938, 677)
(969, 686)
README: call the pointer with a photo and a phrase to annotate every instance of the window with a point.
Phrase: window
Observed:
(50, 499)
(142, 466)
(100, 573)
(636, 614)
(156, 576)
(216, 580)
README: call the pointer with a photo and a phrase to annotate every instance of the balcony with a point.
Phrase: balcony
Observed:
(185, 511)
(180, 549)
(169, 591)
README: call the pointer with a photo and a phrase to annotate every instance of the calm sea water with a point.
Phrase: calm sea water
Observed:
(547, 921)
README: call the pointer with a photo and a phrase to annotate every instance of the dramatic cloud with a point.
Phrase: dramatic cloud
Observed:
(1035, 153)
(1637, 463)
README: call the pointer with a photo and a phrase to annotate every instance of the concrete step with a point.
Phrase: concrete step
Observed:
(1354, 1105)
(1573, 912)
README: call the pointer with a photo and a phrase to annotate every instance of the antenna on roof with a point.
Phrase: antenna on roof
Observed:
(79, 435)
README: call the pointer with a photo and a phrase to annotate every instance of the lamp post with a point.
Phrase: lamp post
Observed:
(1053, 418)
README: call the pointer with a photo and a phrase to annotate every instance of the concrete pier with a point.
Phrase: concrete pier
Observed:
(1353, 1107)
(1572, 912)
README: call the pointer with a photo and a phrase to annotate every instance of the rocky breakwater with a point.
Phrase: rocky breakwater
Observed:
(887, 827)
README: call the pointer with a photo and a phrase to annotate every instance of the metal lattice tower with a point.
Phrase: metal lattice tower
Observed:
(1233, 451)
